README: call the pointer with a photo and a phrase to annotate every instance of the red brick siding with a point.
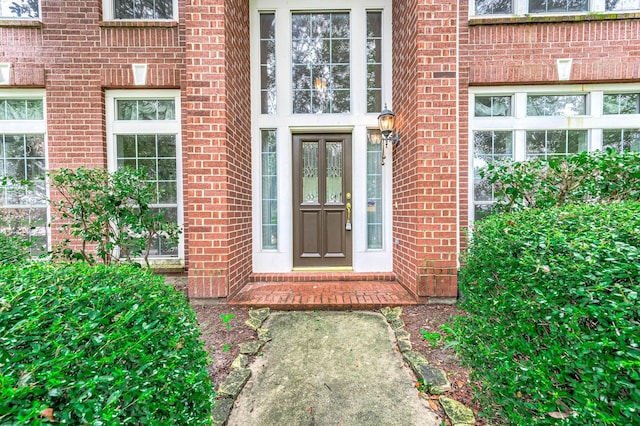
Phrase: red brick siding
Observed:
(425, 162)
(218, 156)
(602, 51)
(239, 142)
(206, 153)
(526, 53)
(76, 59)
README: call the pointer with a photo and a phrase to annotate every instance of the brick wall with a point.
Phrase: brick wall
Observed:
(425, 163)
(238, 142)
(218, 155)
(206, 154)
(497, 52)
(75, 56)
(526, 53)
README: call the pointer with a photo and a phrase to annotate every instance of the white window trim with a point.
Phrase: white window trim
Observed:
(593, 121)
(521, 8)
(108, 13)
(115, 127)
(286, 124)
(19, 18)
(30, 127)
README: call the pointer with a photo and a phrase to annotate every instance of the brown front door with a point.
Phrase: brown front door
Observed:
(322, 200)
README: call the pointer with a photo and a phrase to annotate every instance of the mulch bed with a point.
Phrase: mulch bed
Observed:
(222, 339)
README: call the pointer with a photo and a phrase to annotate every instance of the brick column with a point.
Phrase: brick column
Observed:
(218, 147)
(425, 162)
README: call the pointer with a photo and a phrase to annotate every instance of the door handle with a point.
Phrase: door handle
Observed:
(348, 224)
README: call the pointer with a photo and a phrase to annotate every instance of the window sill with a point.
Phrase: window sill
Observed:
(20, 23)
(536, 19)
(138, 24)
(166, 266)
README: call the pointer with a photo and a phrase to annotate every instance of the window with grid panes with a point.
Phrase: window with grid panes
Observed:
(144, 134)
(23, 199)
(545, 122)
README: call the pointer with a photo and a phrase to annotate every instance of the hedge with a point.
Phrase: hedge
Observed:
(98, 345)
(554, 317)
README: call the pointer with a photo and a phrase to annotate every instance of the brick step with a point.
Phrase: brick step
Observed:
(322, 276)
(327, 295)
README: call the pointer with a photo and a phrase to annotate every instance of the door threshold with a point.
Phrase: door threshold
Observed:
(323, 269)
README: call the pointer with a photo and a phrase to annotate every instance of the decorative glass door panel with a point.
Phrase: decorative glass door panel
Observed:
(322, 200)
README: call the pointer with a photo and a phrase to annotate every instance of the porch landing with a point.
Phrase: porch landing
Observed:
(322, 291)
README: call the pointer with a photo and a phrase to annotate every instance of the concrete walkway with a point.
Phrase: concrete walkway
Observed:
(330, 368)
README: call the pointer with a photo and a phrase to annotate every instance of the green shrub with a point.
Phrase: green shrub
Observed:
(112, 214)
(98, 345)
(13, 249)
(588, 177)
(554, 315)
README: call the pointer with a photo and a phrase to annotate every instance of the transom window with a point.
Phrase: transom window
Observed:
(522, 7)
(144, 129)
(562, 105)
(493, 106)
(20, 9)
(337, 60)
(140, 9)
(526, 123)
(23, 201)
(622, 103)
(321, 62)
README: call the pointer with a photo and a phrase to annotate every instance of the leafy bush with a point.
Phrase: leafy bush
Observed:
(111, 212)
(554, 314)
(13, 249)
(599, 176)
(98, 345)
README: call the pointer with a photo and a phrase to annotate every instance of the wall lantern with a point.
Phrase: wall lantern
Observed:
(386, 123)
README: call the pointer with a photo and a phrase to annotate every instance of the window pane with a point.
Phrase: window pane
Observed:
(156, 154)
(22, 157)
(269, 190)
(556, 105)
(374, 190)
(547, 143)
(493, 106)
(147, 109)
(374, 61)
(488, 147)
(21, 109)
(621, 103)
(333, 176)
(143, 9)
(545, 6)
(621, 139)
(16, 109)
(321, 62)
(268, 63)
(310, 173)
(493, 7)
(23, 9)
(622, 5)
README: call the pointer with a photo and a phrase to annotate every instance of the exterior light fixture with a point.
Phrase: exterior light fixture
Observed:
(386, 123)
